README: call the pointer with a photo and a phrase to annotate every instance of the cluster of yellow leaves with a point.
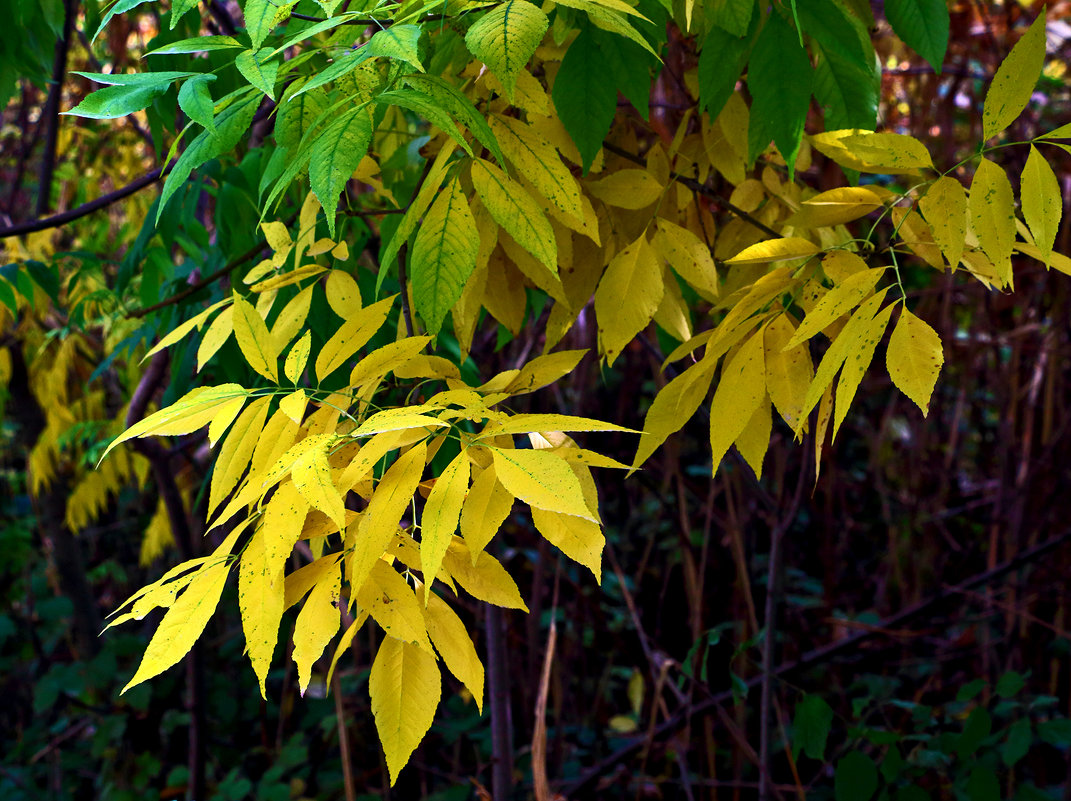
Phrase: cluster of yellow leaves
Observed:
(300, 463)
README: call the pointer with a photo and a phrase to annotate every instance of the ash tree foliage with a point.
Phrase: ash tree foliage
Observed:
(510, 170)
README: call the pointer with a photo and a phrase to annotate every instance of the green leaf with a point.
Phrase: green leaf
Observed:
(631, 66)
(343, 65)
(780, 78)
(139, 79)
(231, 125)
(196, 101)
(198, 44)
(112, 102)
(512, 207)
(810, 727)
(847, 93)
(1009, 684)
(335, 155)
(444, 255)
(453, 101)
(295, 115)
(1042, 201)
(982, 785)
(398, 42)
(119, 8)
(505, 38)
(1014, 82)
(721, 61)
(733, 16)
(585, 95)
(976, 729)
(259, 19)
(1056, 732)
(179, 9)
(923, 25)
(1017, 744)
(856, 778)
(426, 107)
(259, 70)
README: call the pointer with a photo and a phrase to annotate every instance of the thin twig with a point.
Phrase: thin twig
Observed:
(50, 113)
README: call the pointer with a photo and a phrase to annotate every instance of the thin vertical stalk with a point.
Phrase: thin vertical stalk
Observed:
(50, 113)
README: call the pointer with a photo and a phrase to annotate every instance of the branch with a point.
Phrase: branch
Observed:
(702, 189)
(50, 113)
(56, 220)
(585, 784)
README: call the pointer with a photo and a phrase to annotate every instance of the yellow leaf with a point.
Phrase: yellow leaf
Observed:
(835, 207)
(405, 687)
(821, 426)
(197, 321)
(945, 208)
(222, 420)
(839, 265)
(303, 579)
(278, 238)
(674, 406)
(284, 518)
(838, 301)
(527, 423)
(579, 539)
(513, 208)
(917, 235)
(297, 358)
(859, 156)
(627, 189)
(343, 294)
(628, 296)
(419, 204)
(379, 522)
(992, 207)
(451, 639)
(215, 337)
(183, 623)
(1015, 79)
(486, 580)
(856, 364)
(293, 405)
(291, 319)
(789, 371)
(385, 359)
(312, 477)
(260, 599)
(351, 337)
(792, 247)
(441, 514)
(544, 370)
(236, 451)
(393, 605)
(755, 438)
(486, 508)
(287, 279)
(689, 257)
(1057, 261)
(838, 351)
(370, 453)
(914, 358)
(536, 159)
(344, 642)
(740, 389)
(542, 480)
(316, 624)
(1042, 202)
(396, 420)
(252, 336)
(193, 410)
(888, 150)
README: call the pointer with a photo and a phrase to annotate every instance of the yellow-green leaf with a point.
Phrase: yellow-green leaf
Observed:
(419, 204)
(379, 523)
(537, 160)
(1015, 80)
(222, 420)
(542, 480)
(444, 255)
(183, 623)
(914, 358)
(351, 336)
(396, 420)
(217, 334)
(834, 207)
(789, 371)
(856, 364)
(405, 687)
(512, 207)
(197, 321)
(451, 639)
(385, 359)
(790, 247)
(441, 514)
(312, 477)
(740, 389)
(260, 599)
(317, 622)
(291, 319)
(627, 189)
(506, 37)
(888, 150)
(528, 423)
(189, 413)
(944, 206)
(297, 358)
(486, 508)
(627, 296)
(992, 207)
(1042, 202)
(689, 257)
(486, 580)
(841, 299)
(253, 338)
(579, 539)
(754, 440)
(674, 406)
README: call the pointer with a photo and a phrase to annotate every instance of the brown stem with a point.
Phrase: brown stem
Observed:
(50, 113)
(501, 717)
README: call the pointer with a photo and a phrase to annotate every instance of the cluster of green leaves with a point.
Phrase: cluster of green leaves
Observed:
(966, 744)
